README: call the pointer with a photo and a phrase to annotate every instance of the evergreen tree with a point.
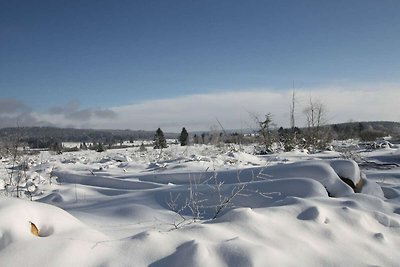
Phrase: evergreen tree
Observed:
(265, 132)
(159, 140)
(183, 138)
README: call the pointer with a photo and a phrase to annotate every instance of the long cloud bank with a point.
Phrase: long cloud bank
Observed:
(234, 110)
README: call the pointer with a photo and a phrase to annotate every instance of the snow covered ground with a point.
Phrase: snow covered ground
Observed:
(204, 206)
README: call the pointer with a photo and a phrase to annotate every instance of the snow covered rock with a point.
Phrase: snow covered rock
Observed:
(321, 171)
(348, 171)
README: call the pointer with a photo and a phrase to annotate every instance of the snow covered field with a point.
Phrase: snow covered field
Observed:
(204, 206)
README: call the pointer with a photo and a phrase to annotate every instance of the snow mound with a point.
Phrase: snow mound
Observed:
(254, 194)
(60, 236)
(347, 169)
(103, 182)
(325, 172)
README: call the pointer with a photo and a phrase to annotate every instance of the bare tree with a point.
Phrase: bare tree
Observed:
(289, 136)
(292, 109)
(315, 114)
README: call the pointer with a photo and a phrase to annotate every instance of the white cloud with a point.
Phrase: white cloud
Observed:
(233, 109)
(378, 102)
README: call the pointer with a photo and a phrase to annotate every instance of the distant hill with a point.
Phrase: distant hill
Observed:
(385, 126)
(77, 135)
(366, 130)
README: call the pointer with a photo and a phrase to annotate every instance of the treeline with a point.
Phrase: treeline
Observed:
(271, 138)
(44, 137)
(365, 131)
(266, 134)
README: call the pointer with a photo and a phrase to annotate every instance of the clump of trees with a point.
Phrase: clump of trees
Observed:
(371, 135)
(315, 135)
(365, 131)
(99, 147)
(56, 147)
(289, 138)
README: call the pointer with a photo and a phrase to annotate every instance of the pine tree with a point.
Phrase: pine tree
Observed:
(183, 138)
(265, 132)
(159, 140)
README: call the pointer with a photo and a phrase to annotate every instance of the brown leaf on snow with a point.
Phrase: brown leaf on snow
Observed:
(34, 229)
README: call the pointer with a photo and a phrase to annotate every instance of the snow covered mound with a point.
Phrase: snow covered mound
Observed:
(63, 240)
(348, 171)
(255, 194)
(329, 173)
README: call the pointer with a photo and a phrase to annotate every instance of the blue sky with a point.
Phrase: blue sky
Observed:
(106, 54)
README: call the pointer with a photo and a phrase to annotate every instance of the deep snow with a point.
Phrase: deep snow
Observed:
(120, 208)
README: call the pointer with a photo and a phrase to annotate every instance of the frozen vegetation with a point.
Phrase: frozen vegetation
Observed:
(202, 205)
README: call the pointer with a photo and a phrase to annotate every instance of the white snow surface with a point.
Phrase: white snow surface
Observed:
(130, 208)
